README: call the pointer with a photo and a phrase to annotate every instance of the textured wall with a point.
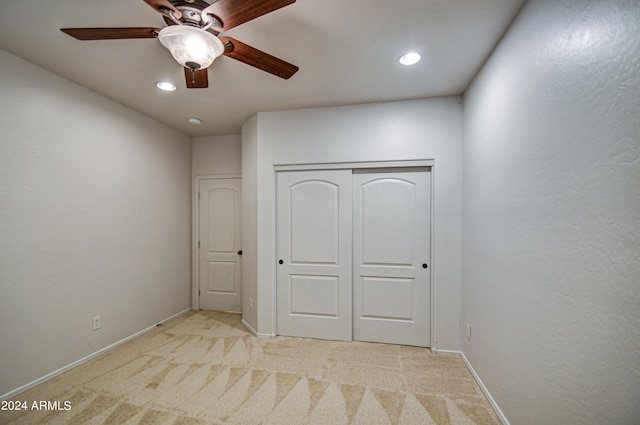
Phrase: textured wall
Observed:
(94, 220)
(551, 227)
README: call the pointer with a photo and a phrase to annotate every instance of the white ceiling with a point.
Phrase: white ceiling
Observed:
(347, 51)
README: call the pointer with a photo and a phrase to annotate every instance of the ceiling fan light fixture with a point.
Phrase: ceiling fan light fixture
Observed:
(191, 47)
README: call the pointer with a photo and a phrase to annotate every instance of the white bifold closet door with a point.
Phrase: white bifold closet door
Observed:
(353, 253)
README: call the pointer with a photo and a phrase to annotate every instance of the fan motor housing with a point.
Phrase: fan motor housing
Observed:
(191, 14)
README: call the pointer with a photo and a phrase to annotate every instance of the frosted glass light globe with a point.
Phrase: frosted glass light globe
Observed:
(191, 47)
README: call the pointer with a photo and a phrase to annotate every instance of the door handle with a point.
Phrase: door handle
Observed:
(424, 265)
(280, 262)
(240, 252)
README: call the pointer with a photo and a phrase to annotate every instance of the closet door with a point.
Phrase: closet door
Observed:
(314, 254)
(391, 253)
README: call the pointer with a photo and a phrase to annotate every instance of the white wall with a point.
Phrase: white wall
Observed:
(94, 220)
(551, 245)
(420, 129)
(250, 221)
(211, 156)
(216, 155)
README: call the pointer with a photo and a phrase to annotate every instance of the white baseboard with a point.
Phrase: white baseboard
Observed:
(85, 359)
(253, 331)
(484, 389)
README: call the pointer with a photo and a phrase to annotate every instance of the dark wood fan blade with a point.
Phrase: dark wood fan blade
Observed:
(198, 79)
(235, 12)
(257, 58)
(110, 33)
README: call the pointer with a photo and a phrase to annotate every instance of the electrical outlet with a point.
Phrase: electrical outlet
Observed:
(468, 331)
(97, 323)
(251, 303)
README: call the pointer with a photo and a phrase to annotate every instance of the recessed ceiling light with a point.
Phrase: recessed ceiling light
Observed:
(165, 85)
(195, 121)
(410, 58)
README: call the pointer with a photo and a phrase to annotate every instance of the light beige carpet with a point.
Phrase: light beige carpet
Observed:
(206, 368)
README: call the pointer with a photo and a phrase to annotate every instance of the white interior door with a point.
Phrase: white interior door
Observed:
(220, 236)
(314, 254)
(391, 252)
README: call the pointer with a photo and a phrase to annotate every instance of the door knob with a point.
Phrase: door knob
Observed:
(424, 265)
(280, 262)
(240, 252)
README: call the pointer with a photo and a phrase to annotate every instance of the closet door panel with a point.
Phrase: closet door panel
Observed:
(314, 254)
(391, 243)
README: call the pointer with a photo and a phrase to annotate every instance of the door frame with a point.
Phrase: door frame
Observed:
(195, 220)
(399, 164)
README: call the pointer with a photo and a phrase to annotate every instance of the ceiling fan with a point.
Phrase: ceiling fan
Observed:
(192, 35)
